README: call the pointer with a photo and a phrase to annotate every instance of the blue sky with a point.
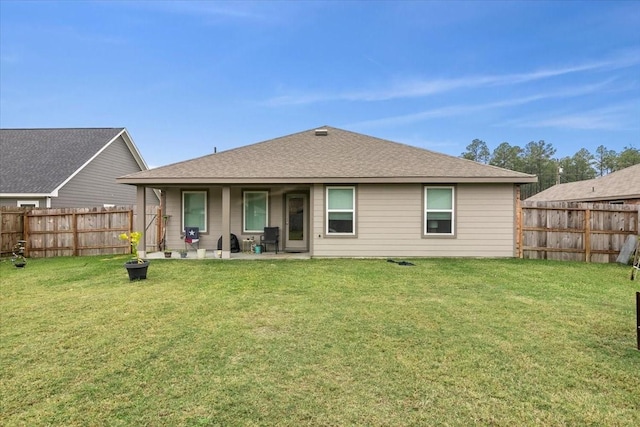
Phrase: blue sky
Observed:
(185, 77)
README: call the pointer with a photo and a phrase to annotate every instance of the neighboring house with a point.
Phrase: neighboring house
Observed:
(620, 187)
(52, 168)
(335, 193)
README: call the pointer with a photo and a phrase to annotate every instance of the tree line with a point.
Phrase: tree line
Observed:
(537, 158)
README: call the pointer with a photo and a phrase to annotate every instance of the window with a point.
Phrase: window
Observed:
(28, 203)
(256, 211)
(341, 218)
(439, 211)
(194, 210)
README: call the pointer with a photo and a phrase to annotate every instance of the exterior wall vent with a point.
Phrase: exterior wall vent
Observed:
(322, 132)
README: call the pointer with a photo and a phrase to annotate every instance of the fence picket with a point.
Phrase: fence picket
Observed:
(575, 231)
(72, 231)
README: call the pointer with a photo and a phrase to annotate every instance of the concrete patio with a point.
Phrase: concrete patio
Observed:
(213, 255)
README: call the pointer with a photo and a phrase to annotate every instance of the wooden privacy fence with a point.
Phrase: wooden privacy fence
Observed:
(74, 231)
(574, 231)
(560, 231)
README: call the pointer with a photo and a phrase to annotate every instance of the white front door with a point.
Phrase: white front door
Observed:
(296, 227)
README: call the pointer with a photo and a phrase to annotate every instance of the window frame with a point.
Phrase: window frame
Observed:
(328, 211)
(206, 208)
(426, 211)
(244, 210)
(28, 203)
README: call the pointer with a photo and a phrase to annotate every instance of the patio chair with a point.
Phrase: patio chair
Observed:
(271, 236)
(191, 237)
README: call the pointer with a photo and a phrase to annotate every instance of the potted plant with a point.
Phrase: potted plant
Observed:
(136, 266)
(183, 253)
(167, 253)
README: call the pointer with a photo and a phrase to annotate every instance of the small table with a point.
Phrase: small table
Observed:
(247, 244)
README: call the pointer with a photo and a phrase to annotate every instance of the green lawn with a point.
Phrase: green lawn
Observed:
(318, 343)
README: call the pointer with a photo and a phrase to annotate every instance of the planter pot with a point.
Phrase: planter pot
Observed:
(183, 254)
(20, 264)
(137, 271)
(202, 253)
(167, 254)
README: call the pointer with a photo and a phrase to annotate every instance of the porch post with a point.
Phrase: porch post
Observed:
(226, 222)
(141, 213)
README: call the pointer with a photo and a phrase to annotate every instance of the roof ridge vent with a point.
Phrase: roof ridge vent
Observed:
(322, 132)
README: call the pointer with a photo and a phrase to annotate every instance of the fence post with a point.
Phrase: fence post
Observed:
(74, 225)
(519, 230)
(587, 235)
(638, 317)
(159, 225)
(25, 232)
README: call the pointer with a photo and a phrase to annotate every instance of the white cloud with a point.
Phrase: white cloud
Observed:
(457, 110)
(417, 88)
(615, 117)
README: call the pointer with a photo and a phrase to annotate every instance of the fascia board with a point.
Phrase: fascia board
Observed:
(130, 145)
(343, 180)
(134, 149)
(84, 165)
(31, 195)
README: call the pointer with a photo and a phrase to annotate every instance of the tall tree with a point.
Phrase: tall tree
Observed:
(477, 151)
(538, 160)
(605, 160)
(629, 156)
(578, 167)
(507, 156)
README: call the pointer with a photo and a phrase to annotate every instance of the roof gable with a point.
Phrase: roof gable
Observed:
(620, 185)
(39, 161)
(331, 156)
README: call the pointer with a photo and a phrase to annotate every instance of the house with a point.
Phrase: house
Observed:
(335, 193)
(52, 168)
(620, 187)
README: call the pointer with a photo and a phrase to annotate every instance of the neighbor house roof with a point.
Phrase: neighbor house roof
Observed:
(40, 161)
(620, 185)
(325, 155)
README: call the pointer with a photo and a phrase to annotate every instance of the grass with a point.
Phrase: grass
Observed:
(318, 343)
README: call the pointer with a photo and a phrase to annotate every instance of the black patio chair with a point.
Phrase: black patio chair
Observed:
(271, 236)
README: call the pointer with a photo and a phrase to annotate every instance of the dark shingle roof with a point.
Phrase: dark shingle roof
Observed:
(620, 185)
(338, 155)
(39, 160)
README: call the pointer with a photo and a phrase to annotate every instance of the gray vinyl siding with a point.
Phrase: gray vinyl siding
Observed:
(209, 239)
(390, 223)
(96, 185)
(13, 202)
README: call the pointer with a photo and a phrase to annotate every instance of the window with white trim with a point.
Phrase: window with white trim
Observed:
(194, 210)
(256, 211)
(439, 210)
(28, 203)
(341, 211)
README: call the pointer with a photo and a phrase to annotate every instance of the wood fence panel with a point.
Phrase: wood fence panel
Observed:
(75, 231)
(574, 231)
(68, 231)
(11, 228)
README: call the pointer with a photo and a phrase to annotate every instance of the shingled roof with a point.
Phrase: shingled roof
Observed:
(620, 185)
(325, 155)
(37, 161)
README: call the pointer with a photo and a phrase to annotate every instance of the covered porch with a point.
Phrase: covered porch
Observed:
(226, 213)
